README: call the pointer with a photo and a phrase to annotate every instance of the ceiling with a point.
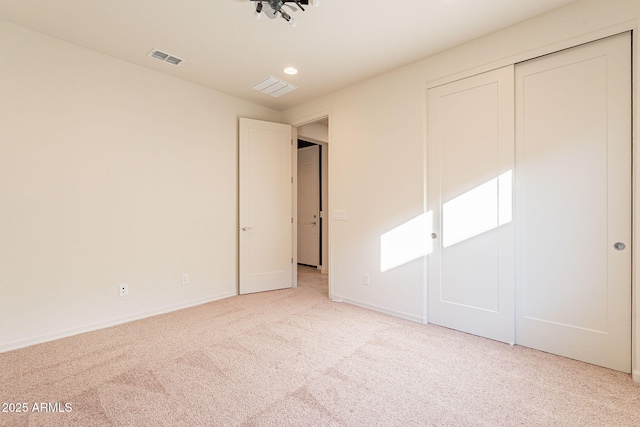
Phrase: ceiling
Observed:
(226, 48)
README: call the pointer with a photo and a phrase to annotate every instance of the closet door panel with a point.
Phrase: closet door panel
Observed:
(470, 134)
(573, 178)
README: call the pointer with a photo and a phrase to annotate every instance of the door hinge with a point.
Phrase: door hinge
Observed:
(291, 260)
(291, 220)
(292, 180)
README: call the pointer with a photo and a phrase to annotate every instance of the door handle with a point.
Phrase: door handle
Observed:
(619, 246)
(246, 228)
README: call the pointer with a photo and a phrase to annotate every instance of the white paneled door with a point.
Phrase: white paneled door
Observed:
(573, 174)
(470, 133)
(265, 211)
(536, 250)
(309, 205)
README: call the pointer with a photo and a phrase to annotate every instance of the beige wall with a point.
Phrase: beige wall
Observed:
(377, 167)
(314, 132)
(109, 173)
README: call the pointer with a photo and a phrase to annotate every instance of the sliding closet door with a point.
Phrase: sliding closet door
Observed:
(573, 213)
(470, 134)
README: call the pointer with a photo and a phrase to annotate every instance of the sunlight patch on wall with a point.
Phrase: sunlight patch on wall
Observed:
(406, 242)
(477, 211)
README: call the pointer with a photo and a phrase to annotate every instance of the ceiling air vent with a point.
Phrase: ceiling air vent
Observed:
(274, 87)
(165, 57)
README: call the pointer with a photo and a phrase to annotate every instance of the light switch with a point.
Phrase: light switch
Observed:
(339, 215)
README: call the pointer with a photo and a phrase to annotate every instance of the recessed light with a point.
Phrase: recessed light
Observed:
(291, 71)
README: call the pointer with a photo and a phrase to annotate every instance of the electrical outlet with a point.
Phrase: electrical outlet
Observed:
(185, 278)
(365, 279)
(123, 290)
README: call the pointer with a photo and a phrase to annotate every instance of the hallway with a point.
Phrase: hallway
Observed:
(312, 278)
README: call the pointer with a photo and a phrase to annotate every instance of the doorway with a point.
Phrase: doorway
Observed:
(309, 204)
(312, 191)
(268, 202)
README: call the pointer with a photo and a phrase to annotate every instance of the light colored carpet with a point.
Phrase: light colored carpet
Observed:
(294, 358)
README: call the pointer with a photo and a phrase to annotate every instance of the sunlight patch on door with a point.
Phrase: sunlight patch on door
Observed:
(477, 211)
(406, 242)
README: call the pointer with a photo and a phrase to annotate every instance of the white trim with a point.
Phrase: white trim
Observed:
(294, 206)
(635, 185)
(395, 313)
(312, 118)
(52, 336)
(537, 52)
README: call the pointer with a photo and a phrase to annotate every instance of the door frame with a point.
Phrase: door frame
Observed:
(327, 265)
(632, 26)
(318, 184)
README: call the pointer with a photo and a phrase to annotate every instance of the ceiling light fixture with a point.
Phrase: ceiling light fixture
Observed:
(291, 71)
(274, 8)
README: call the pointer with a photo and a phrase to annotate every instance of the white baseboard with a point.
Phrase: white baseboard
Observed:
(400, 314)
(636, 376)
(108, 323)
